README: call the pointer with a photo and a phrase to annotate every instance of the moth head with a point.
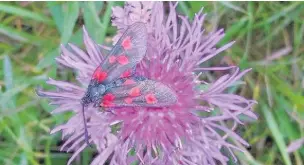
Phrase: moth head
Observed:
(94, 93)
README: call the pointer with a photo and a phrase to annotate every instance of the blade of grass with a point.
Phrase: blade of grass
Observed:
(233, 30)
(8, 73)
(184, 8)
(244, 60)
(12, 34)
(278, 15)
(10, 112)
(21, 36)
(49, 58)
(106, 19)
(47, 159)
(25, 13)
(8, 80)
(286, 125)
(277, 135)
(275, 31)
(294, 96)
(232, 6)
(298, 33)
(23, 145)
(56, 11)
(10, 94)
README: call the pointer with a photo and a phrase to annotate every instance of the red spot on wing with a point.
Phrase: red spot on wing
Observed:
(99, 75)
(126, 43)
(109, 97)
(126, 73)
(112, 59)
(150, 98)
(123, 59)
(107, 100)
(129, 82)
(107, 104)
(128, 100)
(134, 92)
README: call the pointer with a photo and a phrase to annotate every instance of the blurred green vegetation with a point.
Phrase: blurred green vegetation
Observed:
(269, 39)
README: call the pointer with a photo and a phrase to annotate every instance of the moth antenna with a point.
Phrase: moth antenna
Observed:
(86, 133)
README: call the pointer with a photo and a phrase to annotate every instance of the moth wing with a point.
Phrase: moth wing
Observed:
(127, 52)
(145, 93)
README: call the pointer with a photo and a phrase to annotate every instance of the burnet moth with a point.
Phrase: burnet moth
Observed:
(114, 83)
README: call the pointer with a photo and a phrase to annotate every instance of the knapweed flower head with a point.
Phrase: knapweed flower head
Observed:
(191, 131)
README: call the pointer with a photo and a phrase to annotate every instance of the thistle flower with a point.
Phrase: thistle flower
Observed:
(184, 133)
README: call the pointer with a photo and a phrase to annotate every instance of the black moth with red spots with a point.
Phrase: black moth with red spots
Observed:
(114, 83)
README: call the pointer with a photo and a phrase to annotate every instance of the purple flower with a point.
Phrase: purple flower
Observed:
(294, 145)
(184, 133)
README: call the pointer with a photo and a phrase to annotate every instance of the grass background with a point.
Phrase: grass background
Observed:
(269, 39)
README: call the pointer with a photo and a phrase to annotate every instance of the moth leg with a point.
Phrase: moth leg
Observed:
(86, 133)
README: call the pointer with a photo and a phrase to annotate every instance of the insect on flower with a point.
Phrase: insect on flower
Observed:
(114, 83)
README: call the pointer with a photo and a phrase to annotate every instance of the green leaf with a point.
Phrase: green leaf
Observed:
(92, 21)
(70, 15)
(4, 7)
(49, 58)
(57, 13)
(106, 19)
